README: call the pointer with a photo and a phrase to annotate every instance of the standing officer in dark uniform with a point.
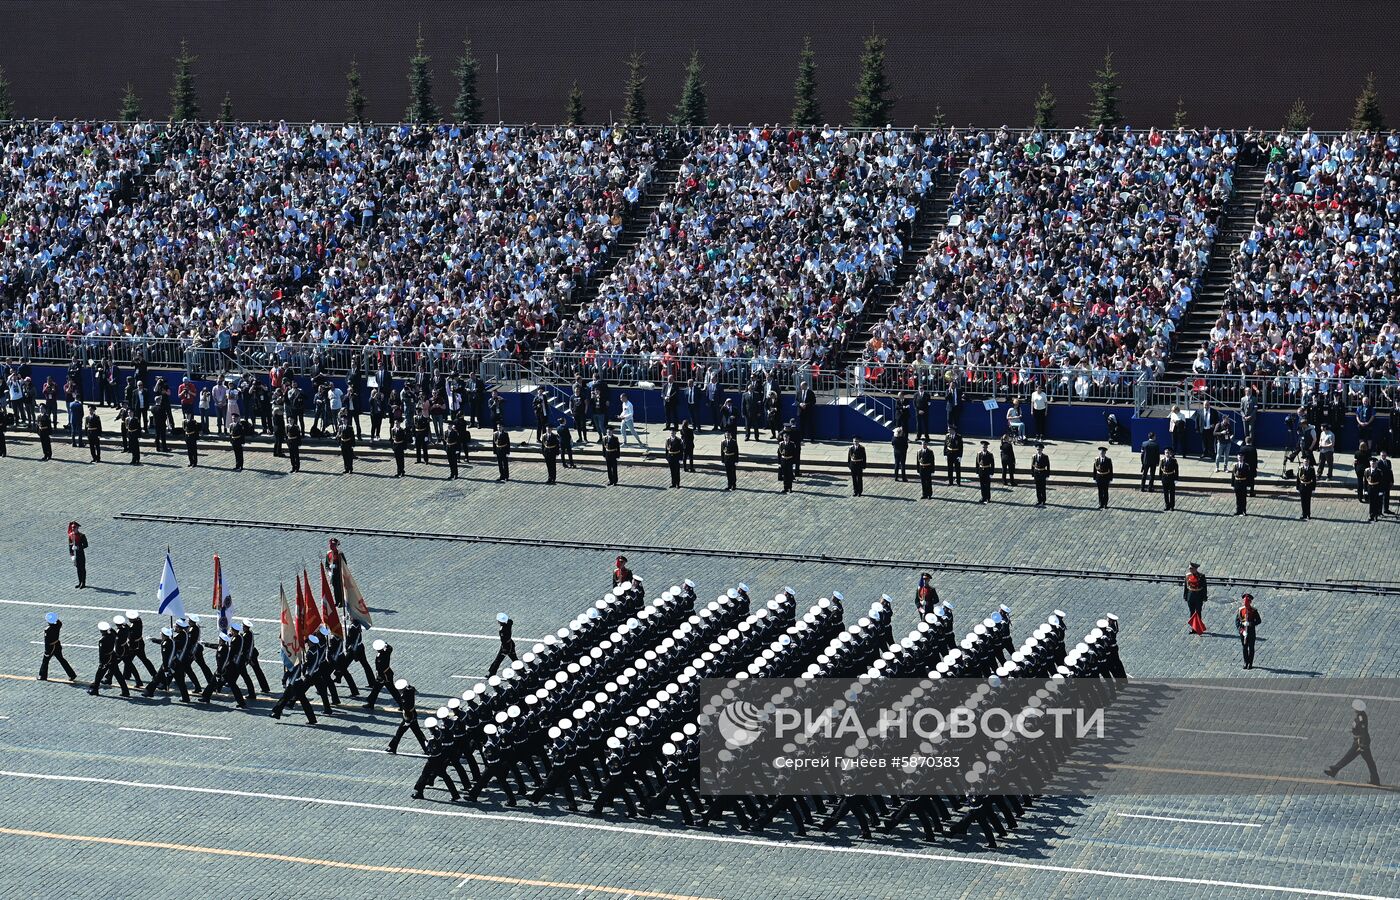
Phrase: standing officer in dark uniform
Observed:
(787, 461)
(1103, 475)
(549, 443)
(53, 648)
(985, 465)
(952, 453)
(294, 443)
(1360, 745)
(77, 551)
(899, 442)
(729, 456)
(160, 419)
(540, 407)
(1246, 621)
(1306, 482)
(398, 439)
(407, 697)
(1040, 473)
(1250, 454)
(507, 648)
(923, 400)
(1375, 490)
(452, 443)
(855, 461)
(1151, 459)
(4, 424)
(347, 446)
(237, 434)
(688, 445)
(1239, 480)
(108, 659)
(45, 430)
(675, 449)
(670, 402)
(924, 461)
(500, 445)
(1171, 470)
(566, 444)
(1387, 467)
(1008, 460)
(93, 426)
(131, 428)
(420, 439)
(612, 452)
(191, 430)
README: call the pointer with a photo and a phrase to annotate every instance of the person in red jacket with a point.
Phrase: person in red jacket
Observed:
(621, 573)
(1194, 593)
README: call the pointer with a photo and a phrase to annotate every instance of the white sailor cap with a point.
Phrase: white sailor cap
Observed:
(167, 632)
(675, 589)
(325, 629)
(313, 639)
(690, 729)
(565, 724)
(994, 681)
(1056, 621)
(979, 629)
(501, 717)
(248, 623)
(432, 722)
(194, 618)
(118, 620)
(632, 721)
(226, 637)
(443, 712)
(778, 598)
(733, 594)
(614, 743)
(743, 588)
(1004, 609)
(235, 625)
(133, 614)
(454, 703)
(668, 749)
(379, 644)
(104, 626)
(1095, 636)
(502, 618)
(490, 728)
(624, 587)
(1102, 623)
(688, 583)
(997, 618)
(554, 732)
(182, 622)
(1358, 705)
(1061, 614)
(838, 596)
(563, 633)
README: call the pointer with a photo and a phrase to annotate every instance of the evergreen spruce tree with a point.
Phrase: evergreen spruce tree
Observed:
(1298, 118)
(420, 87)
(1045, 103)
(226, 109)
(7, 104)
(1103, 108)
(872, 104)
(467, 109)
(806, 109)
(634, 104)
(354, 95)
(574, 112)
(131, 105)
(1179, 117)
(692, 107)
(184, 103)
(1367, 116)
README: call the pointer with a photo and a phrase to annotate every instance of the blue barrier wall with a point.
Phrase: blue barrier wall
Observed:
(832, 421)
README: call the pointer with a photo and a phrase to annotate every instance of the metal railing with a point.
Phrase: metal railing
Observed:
(1067, 385)
(730, 373)
(1285, 392)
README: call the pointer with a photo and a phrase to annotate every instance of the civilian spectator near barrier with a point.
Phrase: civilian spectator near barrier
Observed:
(1075, 250)
(768, 247)
(1313, 299)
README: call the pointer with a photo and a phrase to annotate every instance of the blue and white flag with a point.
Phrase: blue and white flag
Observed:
(168, 601)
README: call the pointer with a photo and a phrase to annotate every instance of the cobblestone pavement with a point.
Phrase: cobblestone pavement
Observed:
(89, 810)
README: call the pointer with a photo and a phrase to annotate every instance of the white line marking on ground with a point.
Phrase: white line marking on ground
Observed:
(376, 629)
(541, 822)
(1191, 821)
(385, 752)
(1286, 737)
(207, 737)
(1250, 690)
(77, 646)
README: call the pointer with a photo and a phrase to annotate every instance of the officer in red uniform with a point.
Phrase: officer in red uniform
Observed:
(621, 573)
(1194, 592)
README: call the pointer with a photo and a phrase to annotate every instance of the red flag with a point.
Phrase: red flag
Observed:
(308, 618)
(328, 610)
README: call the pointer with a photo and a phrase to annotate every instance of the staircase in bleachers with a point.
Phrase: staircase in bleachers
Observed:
(1194, 328)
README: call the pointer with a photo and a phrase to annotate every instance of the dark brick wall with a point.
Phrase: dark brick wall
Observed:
(1234, 63)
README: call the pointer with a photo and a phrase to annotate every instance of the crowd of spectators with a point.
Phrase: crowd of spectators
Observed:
(1076, 250)
(767, 248)
(1313, 293)
(399, 235)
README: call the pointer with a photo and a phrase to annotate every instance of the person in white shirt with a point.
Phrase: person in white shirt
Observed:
(1040, 405)
(1326, 451)
(629, 424)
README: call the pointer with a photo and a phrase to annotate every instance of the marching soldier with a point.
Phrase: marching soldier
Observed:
(899, 443)
(787, 461)
(985, 465)
(407, 697)
(237, 434)
(171, 670)
(1306, 482)
(1040, 473)
(131, 428)
(952, 452)
(612, 452)
(1246, 621)
(250, 658)
(924, 462)
(675, 450)
(855, 461)
(1360, 745)
(452, 444)
(346, 436)
(136, 648)
(297, 685)
(44, 427)
(1171, 470)
(195, 649)
(435, 766)
(729, 456)
(1239, 480)
(549, 444)
(53, 648)
(500, 445)
(191, 431)
(225, 671)
(294, 443)
(1103, 475)
(108, 659)
(398, 440)
(93, 426)
(507, 648)
(420, 439)
(77, 551)
(383, 674)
